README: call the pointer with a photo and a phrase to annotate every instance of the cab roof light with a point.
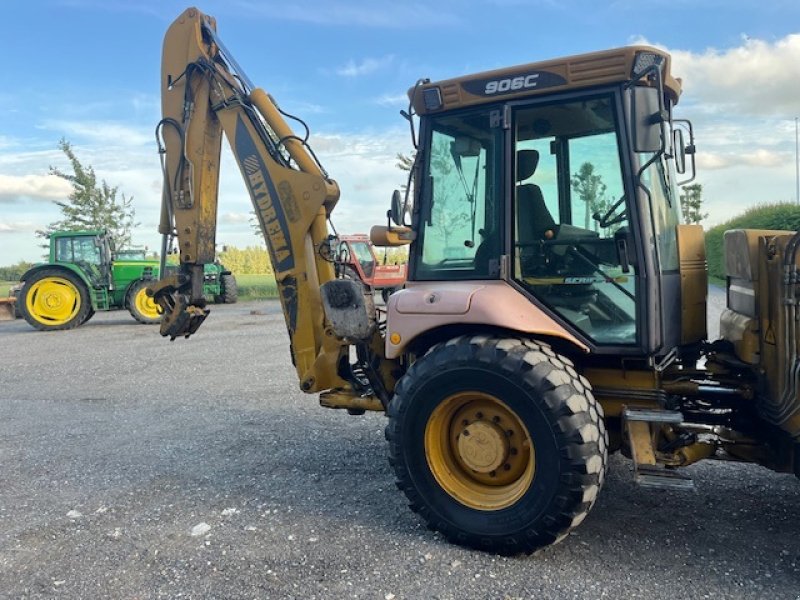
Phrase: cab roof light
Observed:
(644, 60)
(432, 97)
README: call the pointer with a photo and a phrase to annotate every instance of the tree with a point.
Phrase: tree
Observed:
(591, 189)
(255, 226)
(92, 205)
(246, 261)
(692, 203)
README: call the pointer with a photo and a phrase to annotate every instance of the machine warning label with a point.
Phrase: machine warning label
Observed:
(528, 80)
(266, 200)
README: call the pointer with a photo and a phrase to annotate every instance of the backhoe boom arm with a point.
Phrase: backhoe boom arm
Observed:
(205, 94)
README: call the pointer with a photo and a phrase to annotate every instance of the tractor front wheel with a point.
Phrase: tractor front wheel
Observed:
(141, 306)
(497, 443)
(230, 291)
(53, 299)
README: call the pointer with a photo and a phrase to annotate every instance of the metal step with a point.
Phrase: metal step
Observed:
(655, 477)
(652, 415)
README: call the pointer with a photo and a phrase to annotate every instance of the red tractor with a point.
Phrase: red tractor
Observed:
(356, 256)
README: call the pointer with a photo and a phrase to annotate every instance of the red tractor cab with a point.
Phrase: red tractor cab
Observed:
(355, 255)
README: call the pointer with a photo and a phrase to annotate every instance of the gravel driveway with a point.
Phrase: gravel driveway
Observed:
(137, 468)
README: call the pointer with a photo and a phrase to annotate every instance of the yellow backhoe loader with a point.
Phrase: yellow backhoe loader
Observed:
(555, 309)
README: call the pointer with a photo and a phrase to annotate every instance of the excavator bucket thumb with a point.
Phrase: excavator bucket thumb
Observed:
(7, 309)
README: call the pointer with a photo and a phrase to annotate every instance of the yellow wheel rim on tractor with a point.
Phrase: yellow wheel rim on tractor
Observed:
(479, 451)
(146, 305)
(53, 301)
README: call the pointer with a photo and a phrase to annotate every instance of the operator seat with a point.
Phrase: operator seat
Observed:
(534, 221)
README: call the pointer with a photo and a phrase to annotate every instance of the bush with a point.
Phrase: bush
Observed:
(14, 272)
(782, 216)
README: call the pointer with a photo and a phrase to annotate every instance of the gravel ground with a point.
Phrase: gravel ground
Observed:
(137, 468)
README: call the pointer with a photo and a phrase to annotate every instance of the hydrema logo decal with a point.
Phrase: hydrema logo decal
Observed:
(497, 86)
(266, 200)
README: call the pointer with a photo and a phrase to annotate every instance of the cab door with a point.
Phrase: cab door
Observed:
(572, 232)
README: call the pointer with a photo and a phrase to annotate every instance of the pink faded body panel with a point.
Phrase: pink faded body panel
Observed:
(422, 306)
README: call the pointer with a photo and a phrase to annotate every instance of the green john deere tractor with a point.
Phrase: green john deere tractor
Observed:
(84, 275)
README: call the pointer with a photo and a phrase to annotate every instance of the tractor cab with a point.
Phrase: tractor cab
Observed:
(561, 182)
(90, 251)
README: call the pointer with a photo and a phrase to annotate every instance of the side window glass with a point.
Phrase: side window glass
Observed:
(87, 251)
(462, 225)
(64, 250)
(595, 182)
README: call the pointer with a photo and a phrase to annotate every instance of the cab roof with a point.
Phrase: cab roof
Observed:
(541, 78)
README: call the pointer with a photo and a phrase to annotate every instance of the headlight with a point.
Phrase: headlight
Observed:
(644, 60)
(432, 97)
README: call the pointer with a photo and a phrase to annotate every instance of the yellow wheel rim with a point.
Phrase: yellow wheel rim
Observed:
(53, 301)
(479, 451)
(146, 305)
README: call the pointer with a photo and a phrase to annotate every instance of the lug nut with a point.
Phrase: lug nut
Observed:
(509, 432)
(495, 419)
(514, 451)
(493, 474)
(507, 467)
(465, 432)
(479, 415)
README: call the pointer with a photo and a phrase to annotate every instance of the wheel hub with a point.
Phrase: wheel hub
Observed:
(52, 300)
(479, 450)
(483, 447)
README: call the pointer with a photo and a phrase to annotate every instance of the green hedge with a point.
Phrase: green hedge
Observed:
(784, 216)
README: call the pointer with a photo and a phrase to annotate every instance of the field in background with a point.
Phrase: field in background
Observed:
(256, 287)
(4, 286)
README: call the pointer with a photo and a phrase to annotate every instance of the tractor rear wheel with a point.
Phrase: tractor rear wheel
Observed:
(141, 306)
(497, 443)
(230, 291)
(54, 299)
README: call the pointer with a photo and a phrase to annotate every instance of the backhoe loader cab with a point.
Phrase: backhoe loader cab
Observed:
(549, 177)
(555, 308)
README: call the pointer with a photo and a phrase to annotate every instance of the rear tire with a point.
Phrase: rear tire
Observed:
(497, 443)
(54, 299)
(141, 306)
(230, 290)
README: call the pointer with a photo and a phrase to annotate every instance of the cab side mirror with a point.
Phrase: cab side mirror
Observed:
(647, 119)
(679, 151)
(396, 210)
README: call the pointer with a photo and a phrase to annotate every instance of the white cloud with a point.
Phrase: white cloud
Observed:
(742, 101)
(758, 77)
(101, 132)
(392, 100)
(364, 67)
(15, 227)
(40, 187)
(234, 218)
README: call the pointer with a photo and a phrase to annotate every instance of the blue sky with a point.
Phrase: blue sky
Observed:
(88, 71)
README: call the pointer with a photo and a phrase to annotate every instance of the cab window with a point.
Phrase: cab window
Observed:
(461, 226)
(78, 249)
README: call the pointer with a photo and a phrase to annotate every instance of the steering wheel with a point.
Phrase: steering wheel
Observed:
(609, 218)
